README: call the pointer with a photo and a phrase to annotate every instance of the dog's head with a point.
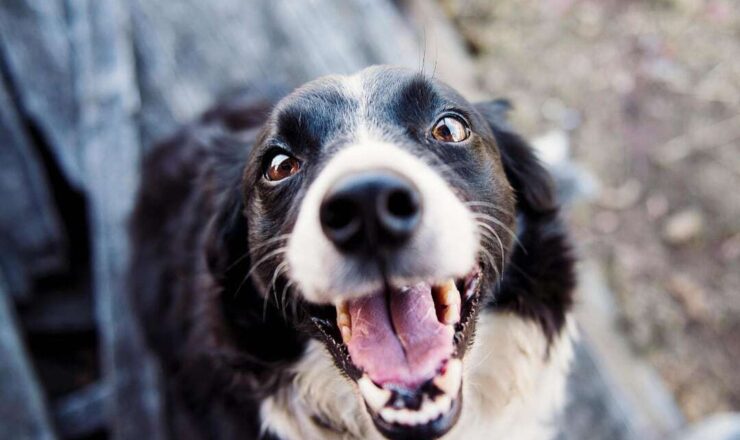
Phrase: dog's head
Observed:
(380, 216)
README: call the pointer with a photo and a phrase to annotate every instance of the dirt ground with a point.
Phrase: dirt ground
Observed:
(649, 95)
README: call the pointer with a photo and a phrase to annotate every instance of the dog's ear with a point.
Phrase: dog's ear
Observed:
(530, 180)
(540, 277)
(226, 243)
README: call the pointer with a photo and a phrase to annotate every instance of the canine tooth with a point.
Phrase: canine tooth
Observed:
(346, 333)
(450, 381)
(342, 308)
(448, 294)
(375, 396)
(344, 321)
(451, 314)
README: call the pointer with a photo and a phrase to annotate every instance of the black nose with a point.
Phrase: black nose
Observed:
(370, 210)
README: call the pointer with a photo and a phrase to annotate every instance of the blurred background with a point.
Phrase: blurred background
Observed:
(633, 105)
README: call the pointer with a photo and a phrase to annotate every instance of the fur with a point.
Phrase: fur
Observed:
(239, 362)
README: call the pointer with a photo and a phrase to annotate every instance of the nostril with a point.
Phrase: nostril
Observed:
(338, 214)
(398, 213)
(340, 220)
(402, 204)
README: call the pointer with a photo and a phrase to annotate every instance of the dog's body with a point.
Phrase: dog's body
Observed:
(239, 323)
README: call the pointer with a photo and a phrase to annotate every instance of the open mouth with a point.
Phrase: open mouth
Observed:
(403, 346)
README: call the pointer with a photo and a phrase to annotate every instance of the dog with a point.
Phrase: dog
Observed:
(370, 257)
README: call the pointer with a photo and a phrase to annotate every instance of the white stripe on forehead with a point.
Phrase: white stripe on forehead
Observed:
(355, 86)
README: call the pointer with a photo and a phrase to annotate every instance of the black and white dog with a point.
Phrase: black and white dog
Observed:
(372, 256)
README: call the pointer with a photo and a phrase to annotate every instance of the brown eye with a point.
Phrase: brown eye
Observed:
(281, 166)
(450, 129)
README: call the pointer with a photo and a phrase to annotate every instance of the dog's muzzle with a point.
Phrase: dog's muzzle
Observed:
(382, 237)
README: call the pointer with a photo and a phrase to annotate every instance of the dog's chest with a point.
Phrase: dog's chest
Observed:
(513, 389)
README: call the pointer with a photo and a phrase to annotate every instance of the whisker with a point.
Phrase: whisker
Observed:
(237, 261)
(278, 251)
(259, 246)
(278, 271)
(270, 241)
(262, 260)
(489, 205)
(492, 262)
(500, 243)
(486, 217)
(283, 305)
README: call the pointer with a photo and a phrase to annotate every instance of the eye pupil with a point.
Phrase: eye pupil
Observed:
(450, 129)
(281, 167)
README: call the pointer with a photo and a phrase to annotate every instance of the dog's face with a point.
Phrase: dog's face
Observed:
(378, 204)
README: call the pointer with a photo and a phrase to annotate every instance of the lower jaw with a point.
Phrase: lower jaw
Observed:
(433, 429)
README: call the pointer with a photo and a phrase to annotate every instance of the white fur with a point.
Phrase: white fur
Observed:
(512, 389)
(444, 246)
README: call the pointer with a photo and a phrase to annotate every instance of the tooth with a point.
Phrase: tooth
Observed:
(342, 308)
(405, 417)
(428, 411)
(444, 403)
(344, 321)
(389, 415)
(447, 293)
(450, 381)
(346, 334)
(451, 314)
(375, 397)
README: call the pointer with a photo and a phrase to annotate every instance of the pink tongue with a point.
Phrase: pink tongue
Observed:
(410, 355)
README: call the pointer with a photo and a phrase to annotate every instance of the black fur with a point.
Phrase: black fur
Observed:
(225, 339)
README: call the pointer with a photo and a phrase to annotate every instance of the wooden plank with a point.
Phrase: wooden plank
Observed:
(35, 49)
(82, 413)
(183, 65)
(108, 138)
(23, 411)
(32, 242)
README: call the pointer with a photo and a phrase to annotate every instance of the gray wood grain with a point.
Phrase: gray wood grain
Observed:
(34, 42)
(23, 412)
(184, 64)
(32, 240)
(107, 99)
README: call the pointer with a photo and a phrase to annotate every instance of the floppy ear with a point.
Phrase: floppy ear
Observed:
(540, 278)
(530, 180)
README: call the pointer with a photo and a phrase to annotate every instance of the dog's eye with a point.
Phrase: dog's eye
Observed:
(450, 129)
(281, 166)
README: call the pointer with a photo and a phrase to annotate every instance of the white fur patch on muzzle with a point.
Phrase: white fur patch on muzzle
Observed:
(444, 245)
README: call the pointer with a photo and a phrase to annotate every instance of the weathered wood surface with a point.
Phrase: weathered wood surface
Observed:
(39, 61)
(81, 413)
(32, 242)
(23, 412)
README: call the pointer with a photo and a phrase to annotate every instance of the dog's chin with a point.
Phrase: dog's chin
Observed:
(403, 347)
